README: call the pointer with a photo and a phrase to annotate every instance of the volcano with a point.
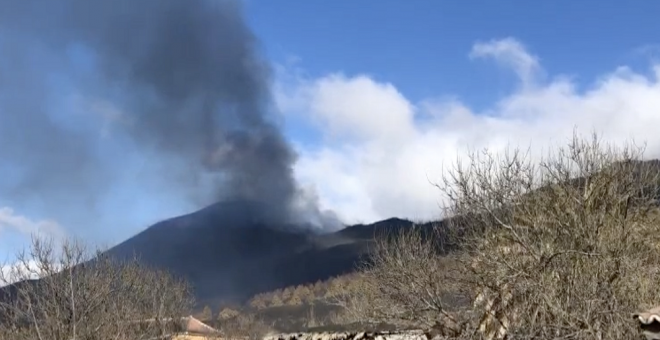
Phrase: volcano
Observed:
(229, 251)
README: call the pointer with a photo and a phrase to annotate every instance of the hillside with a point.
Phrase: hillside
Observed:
(229, 252)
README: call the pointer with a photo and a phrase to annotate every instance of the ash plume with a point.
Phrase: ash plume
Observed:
(179, 83)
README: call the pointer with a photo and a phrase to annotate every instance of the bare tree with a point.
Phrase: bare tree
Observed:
(87, 295)
(244, 327)
(405, 282)
(563, 248)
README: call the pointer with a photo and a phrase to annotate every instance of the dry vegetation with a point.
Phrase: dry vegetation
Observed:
(303, 294)
(290, 309)
(563, 248)
(243, 326)
(82, 299)
(407, 282)
(566, 248)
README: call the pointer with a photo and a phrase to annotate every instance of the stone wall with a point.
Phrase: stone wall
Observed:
(394, 335)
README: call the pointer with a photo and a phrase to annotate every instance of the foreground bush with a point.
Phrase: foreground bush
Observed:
(562, 248)
(406, 282)
(86, 295)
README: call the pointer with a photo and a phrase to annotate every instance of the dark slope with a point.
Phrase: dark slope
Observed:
(229, 251)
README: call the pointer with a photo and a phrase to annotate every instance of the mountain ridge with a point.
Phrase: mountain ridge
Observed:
(229, 251)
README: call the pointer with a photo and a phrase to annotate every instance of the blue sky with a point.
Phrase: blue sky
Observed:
(420, 46)
(379, 92)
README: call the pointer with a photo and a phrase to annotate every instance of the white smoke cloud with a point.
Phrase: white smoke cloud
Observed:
(380, 151)
(11, 271)
(512, 54)
(19, 271)
(10, 220)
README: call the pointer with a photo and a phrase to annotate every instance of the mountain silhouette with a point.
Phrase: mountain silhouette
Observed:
(229, 251)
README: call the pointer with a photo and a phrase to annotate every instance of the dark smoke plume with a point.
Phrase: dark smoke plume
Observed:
(187, 89)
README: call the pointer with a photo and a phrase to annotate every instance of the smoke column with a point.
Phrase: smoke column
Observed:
(180, 82)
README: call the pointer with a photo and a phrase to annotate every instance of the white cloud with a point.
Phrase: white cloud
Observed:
(361, 109)
(28, 269)
(380, 150)
(24, 225)
(511, 53)
(12, 273)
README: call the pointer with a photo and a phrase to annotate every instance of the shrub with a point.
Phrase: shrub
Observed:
(87, 295)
